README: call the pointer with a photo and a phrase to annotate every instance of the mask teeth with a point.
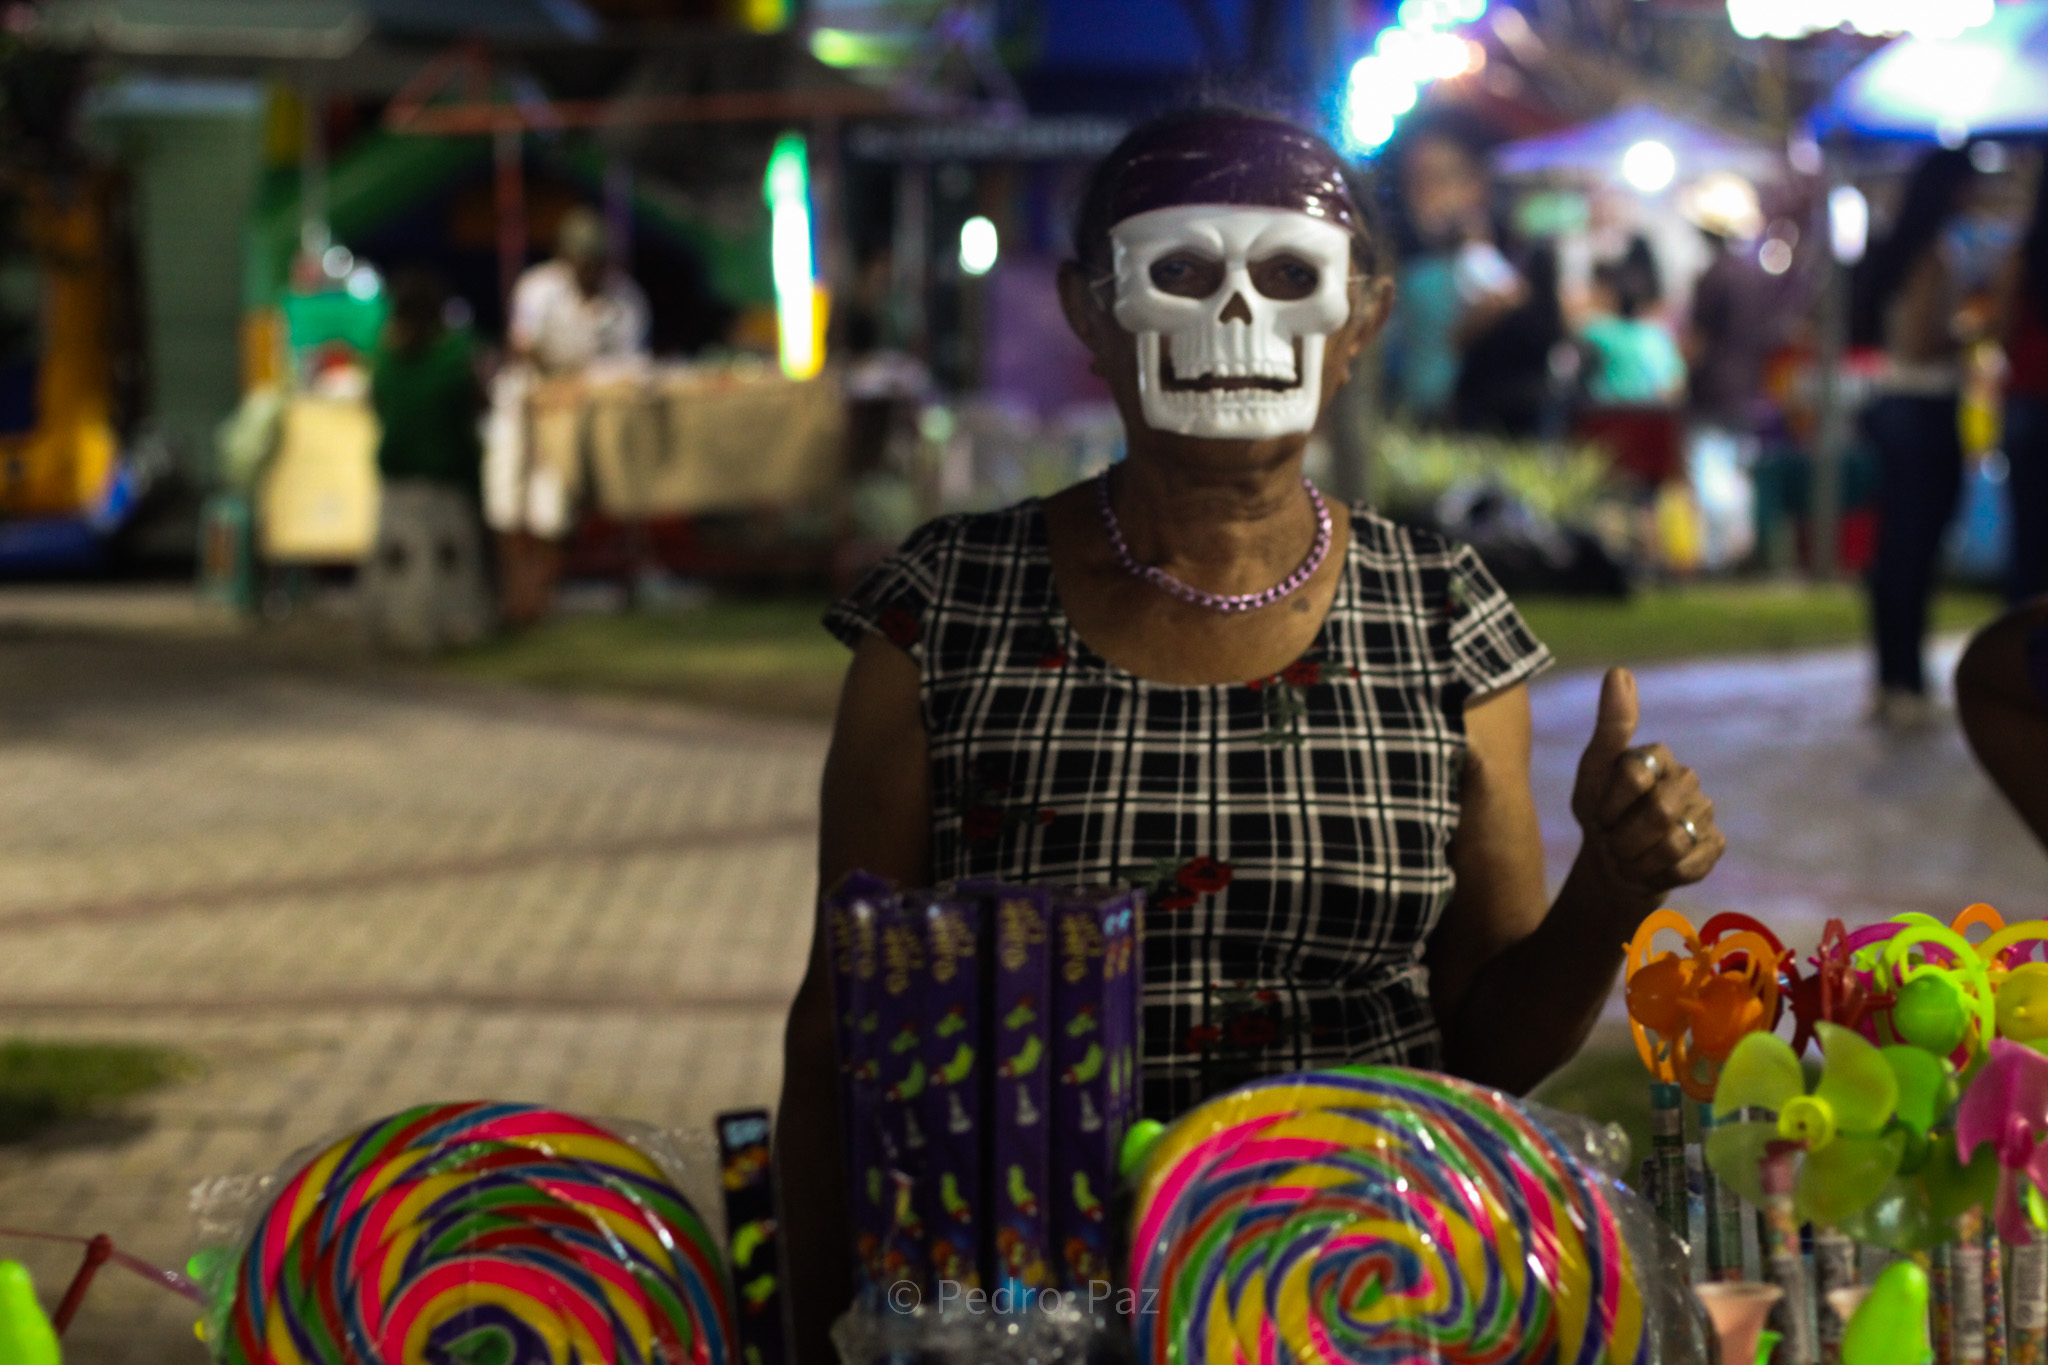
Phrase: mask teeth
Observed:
(1231, 351)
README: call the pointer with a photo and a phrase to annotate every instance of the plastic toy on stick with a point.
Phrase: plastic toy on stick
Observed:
(1688, 1011)
(26, 1337)
(1843, 1124)
(2006, 1108)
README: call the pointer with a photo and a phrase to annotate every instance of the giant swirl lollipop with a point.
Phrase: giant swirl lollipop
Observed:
(1375, 1214)
(472, 1232)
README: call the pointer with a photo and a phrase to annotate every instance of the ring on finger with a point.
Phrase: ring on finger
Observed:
(1649, 761)
(1692, 831)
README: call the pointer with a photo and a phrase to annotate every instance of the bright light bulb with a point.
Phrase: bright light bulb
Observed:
(1848, 223)
(1649, 166)
(1369, 128)
(1775, 256)
(1444, 56)
(363, 283)
(979, 246)
(1379, 83)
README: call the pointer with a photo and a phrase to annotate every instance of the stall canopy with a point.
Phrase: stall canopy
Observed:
(301, 28)
(1597, 148)
(1992, 81)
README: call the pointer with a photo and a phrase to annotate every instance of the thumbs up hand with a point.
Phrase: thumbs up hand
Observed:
(1647, 823)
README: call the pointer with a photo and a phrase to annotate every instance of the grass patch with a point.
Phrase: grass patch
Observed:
(1708, 619)
(770, 656)
(46, 1083)
(767, 656)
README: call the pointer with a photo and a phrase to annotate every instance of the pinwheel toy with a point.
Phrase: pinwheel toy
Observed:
(1844, 1125)
(2006, 1107)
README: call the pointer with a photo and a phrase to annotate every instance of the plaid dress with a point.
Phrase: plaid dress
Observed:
(1292, 831)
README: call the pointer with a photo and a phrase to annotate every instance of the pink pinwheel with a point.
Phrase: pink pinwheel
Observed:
(2007, 1106)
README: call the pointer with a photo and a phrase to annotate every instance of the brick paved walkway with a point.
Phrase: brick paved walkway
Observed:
(347, 894)
(347, 891)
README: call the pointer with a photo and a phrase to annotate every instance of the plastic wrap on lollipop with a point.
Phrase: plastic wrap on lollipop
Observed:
(451, 1230)
(1383, 1214)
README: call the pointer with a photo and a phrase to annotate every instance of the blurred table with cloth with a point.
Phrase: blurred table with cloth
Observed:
(685, 440)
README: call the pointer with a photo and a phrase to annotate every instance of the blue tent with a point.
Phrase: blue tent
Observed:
(1991, 81)
(1597, 148)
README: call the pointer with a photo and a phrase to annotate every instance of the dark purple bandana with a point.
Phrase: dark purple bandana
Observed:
(1232, 158)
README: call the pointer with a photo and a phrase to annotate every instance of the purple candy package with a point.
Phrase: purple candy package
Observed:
(903, 1079)
(853, 913)
(1021, 1096)
(1083, 1103)
(956, 1206)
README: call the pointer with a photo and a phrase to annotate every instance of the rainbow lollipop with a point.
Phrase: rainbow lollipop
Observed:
(478, 1231)
(1375, 1214)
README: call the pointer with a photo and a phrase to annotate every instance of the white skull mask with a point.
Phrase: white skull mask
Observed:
(1238, 363)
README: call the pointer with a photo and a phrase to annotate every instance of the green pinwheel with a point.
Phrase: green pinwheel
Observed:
(1853, 1147)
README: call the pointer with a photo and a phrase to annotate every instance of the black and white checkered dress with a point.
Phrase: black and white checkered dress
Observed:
(1292, 831)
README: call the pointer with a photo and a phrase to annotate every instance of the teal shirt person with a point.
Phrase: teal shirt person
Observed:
(1634, 361)
(427, 400)
(1424, 343)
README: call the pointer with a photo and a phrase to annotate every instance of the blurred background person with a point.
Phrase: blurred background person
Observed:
(1632, 358)
(569, 316)
(1505, 379)
(1454, 282)
(2022, 316)
(1727, 340)
(1912, 302)
(424, 586)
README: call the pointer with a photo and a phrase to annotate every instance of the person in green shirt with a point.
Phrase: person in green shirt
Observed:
(425, 584)
(1632, 359)
(425, 391)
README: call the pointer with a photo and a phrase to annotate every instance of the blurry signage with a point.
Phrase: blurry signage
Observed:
(1038, 139)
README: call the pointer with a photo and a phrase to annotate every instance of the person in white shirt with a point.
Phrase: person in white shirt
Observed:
(571, 315)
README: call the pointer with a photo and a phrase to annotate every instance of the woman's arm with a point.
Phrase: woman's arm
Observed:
(874, 815)
(1516, 984)
(2005, 719)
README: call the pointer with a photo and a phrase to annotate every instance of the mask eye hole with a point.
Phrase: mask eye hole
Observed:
(1285, 277)
(1187, 275)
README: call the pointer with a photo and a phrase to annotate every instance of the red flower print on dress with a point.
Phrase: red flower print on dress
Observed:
(980, 824)
(1259, 684)
(1174, 900)
(1200, 1036)
(1302, 673)
(899, 627)
(1204, 875)
(1053, 659)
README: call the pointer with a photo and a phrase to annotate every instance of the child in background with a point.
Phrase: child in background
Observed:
(424, 587)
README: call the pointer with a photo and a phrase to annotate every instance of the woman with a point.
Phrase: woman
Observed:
(2023, 300)
(1634, 358)
(1913, 305)
(1308, 737)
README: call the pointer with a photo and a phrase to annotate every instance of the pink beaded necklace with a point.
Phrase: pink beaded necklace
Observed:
(1211, 601)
